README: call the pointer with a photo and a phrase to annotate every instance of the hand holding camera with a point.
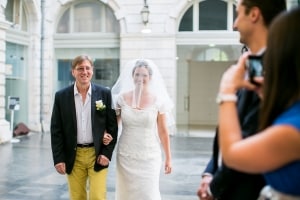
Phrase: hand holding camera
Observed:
(234, 78)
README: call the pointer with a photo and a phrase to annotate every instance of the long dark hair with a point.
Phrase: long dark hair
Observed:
(282, 65)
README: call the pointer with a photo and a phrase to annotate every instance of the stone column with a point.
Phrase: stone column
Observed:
(5, 132)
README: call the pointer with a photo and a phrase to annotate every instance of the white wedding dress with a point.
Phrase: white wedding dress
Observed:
(139, 158)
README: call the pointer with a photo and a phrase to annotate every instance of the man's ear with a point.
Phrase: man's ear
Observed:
(72, 72)
(255, 14)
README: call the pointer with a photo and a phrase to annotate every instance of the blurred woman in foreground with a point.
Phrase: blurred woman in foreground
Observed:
(275, 151)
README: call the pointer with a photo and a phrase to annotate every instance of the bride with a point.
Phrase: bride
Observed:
(142, 105)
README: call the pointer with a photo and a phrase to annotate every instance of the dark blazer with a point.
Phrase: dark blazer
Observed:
(227, 183)
(64, 126)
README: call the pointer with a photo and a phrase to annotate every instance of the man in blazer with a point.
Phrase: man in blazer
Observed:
(226, 183)
(219, 181)
(82, 114)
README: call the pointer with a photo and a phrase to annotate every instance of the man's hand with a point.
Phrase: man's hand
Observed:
(102, 160)
(61, 168)
(203, 188)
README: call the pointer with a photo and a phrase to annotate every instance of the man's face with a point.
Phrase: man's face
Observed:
(243, 23)
(83, 72)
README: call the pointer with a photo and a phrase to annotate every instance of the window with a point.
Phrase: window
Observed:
(15, 61)
(186, 23)
(88, 17)
(15, 13)
(208, 15)
(212, 15)
(64, 25)
(9, 11)
(105, 72)
(64, 71)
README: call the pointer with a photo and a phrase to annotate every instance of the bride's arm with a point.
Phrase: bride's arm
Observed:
(165, 140)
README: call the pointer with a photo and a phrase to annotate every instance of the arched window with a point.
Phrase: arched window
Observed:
(15, 13)
(86, 24)
(88, 17)
(208, 15)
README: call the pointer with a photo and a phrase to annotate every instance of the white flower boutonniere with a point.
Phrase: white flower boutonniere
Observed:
(99, 105)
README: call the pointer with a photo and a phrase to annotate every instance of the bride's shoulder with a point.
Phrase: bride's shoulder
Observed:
(127, 95)
(125, 98)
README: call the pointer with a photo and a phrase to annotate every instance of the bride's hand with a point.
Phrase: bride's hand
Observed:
(168, 168)
(107, 138)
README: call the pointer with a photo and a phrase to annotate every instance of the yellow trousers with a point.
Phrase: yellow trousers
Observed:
(83, 178)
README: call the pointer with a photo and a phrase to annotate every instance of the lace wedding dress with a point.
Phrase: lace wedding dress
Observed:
(139, 158)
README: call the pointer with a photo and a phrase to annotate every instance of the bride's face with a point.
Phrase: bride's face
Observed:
(141, 76)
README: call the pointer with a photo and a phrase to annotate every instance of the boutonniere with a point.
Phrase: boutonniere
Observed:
(99, 105)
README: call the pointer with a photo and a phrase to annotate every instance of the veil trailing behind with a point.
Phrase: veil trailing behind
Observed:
(156, 87)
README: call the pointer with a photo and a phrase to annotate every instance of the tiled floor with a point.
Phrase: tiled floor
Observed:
(27, 172)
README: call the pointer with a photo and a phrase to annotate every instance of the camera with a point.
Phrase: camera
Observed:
(255, 67)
